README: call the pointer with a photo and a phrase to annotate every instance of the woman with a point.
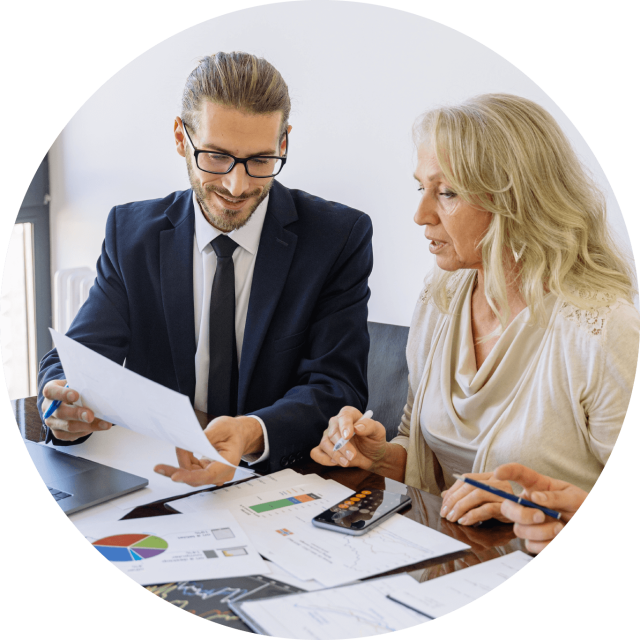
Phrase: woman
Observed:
(523, 343)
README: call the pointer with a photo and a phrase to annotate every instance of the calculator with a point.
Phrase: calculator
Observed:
(362, 511)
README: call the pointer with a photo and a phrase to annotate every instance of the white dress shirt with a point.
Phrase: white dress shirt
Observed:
(204, 268)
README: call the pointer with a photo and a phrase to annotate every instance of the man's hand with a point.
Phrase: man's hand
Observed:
(466, 504)
(532, 525)
(69, 422)
(367, 445)
(232, 438)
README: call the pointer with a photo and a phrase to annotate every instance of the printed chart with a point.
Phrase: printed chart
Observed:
(286, 502)
(130, 547)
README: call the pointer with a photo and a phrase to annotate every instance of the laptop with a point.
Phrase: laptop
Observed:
(77, 483)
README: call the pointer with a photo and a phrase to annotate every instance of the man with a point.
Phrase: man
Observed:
(246, 296)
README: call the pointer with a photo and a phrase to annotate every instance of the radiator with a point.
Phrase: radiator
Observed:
(70, 290)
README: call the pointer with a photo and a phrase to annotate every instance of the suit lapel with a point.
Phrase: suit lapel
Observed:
(176, 281)
(275, 253)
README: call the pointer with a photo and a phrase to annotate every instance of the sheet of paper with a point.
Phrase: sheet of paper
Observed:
(277, 573)
(125, 398)
(334, 558)
(177, 548)
(354, 611)
(279, 480)
(447, 593)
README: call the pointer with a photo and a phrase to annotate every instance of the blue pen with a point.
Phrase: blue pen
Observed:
(508, 496)
(54, 405)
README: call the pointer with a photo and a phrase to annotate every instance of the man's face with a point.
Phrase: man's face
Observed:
(228, 200)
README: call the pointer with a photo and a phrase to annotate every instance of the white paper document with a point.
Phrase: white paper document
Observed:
(334, 558)
(125, 398)
(354, 611)
(229, 495)
(447, 593)
(177, 548)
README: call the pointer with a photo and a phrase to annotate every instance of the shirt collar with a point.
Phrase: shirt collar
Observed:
(247, 236)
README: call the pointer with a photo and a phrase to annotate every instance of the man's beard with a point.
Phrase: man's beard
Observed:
(231, 219)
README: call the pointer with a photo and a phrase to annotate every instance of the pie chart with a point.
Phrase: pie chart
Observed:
(131, 547)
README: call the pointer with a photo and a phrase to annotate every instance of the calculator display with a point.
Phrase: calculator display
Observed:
(362, 510)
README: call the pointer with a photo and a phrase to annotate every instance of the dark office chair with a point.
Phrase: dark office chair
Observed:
(387, 374)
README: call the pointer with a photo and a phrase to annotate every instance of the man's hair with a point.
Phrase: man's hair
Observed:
(508, 156)
(239, 80)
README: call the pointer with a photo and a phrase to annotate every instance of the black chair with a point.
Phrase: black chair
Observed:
(387, 374)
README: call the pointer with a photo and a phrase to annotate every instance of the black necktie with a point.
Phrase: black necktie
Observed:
(222, 397)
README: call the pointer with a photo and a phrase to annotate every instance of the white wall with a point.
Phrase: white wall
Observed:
(358, 76)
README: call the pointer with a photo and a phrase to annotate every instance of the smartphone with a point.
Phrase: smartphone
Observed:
(362, 511)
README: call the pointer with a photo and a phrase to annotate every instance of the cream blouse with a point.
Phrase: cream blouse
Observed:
(552, 398)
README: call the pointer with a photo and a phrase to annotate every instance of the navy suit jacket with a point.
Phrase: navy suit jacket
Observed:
(305, 348)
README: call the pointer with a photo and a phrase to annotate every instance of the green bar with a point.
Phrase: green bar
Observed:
(270, 506)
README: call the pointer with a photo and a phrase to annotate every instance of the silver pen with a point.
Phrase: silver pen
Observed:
(343, 441)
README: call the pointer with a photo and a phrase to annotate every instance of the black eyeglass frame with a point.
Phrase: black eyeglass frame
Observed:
(197, 152)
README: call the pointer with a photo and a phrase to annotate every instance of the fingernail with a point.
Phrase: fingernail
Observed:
(557, 529)
(104, 425)
(343, 460)
(345, 434)
(443, 511)
(85, 416)
(70, 396)
(538, 517)
(349, 455)
(451, 517)
(160, 471)
(463, 520)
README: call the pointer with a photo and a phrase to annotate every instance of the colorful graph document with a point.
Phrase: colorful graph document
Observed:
(447, 593)
(177, 548)
(122, 397)
(354, 611)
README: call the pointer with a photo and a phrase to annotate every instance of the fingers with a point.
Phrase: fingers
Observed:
(527, 478)
(69, 422)
(55, 390)
(371, 429)
(568, 500)
(538, 532)
(347, 417)
(522, 515)
(214, 473)
(482, 513)
(321, 457)
(535, 547)
(459, 504)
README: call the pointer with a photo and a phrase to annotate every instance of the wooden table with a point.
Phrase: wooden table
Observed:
(487, 541)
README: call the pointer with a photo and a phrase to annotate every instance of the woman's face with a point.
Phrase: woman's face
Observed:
(454, 227)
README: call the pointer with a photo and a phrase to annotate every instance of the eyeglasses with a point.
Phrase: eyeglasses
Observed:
(221, 163)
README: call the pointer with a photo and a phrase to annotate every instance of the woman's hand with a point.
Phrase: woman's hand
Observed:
(366, 447)
(466, 504)
(532, 525)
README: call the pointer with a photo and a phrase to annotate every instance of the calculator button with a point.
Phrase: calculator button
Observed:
(354, 509)
(360, 495)
(367, 493)
(354, 499)
(364, 510)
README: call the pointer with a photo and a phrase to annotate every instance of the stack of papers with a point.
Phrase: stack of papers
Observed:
(447, 593)
(376, 606)
(277, 517)
(353, 611)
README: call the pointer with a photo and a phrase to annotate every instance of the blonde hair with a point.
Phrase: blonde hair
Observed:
(507, 155)
(238, 80)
